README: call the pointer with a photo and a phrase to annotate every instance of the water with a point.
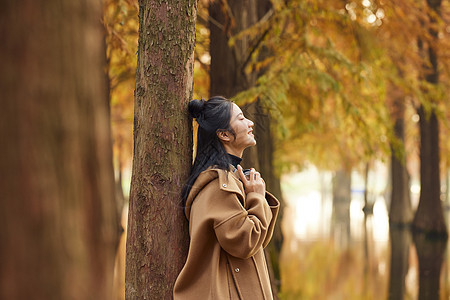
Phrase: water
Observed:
(350, 258)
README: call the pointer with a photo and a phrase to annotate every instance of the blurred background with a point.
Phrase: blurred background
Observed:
(342, 94)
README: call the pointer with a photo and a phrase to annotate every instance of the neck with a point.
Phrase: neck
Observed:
(234, 160)
(234, 152)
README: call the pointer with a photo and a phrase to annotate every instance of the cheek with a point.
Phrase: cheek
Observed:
(240, 130)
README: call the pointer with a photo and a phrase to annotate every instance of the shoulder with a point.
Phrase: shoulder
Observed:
(214, 180)
(227, 179)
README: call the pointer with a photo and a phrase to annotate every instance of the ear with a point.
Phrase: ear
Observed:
(223, 135)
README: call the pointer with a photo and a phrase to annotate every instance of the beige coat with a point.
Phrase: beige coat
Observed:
(228, 231)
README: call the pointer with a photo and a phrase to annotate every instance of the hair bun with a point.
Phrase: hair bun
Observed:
(196, 107)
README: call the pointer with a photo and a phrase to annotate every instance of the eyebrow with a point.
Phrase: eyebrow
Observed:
(239, 114)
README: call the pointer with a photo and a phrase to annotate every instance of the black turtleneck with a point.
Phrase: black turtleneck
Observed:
(235, 160)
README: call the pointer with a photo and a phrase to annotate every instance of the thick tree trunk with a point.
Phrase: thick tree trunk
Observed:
(57, 209)
(340, 218)
(227, 76)
(157, 230)
(429, 215)
(400, 211)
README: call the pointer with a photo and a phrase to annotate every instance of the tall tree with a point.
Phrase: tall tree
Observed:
(400, 211)
(227, 71)
(429, 216)
(157, 233)
(59, 221)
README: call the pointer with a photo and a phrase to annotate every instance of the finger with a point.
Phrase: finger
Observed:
(257, 175)
(252, 175)
(241, 173)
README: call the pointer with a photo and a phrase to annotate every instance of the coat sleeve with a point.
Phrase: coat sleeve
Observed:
(241, 231)
(274, 206)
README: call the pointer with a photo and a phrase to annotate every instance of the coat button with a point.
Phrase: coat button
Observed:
(224, 185)
(236, 270)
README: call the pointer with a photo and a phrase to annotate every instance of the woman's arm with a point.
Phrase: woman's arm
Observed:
(242, 231)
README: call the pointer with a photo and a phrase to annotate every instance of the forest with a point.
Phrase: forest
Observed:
(352, 122)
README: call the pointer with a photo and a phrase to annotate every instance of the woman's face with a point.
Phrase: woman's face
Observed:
(243, 130)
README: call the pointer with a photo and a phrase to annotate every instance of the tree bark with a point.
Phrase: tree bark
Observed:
(227, 63)
(157, 230)
(400, 211)
(57, 209)
(429, 216)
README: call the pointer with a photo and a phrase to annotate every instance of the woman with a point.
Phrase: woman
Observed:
(231, 216)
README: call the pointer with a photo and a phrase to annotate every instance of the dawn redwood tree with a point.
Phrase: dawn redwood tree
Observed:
(59, 225)
(157, 237)
(429, 216)
(400, 211)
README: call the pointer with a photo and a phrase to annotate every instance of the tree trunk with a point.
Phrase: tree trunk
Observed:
(340, 219)
(400, 211)
(429, 215)
(157, 230)
(227, 76)
(58, 213)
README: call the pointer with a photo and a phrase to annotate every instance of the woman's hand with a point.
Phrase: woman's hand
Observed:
(253, 184)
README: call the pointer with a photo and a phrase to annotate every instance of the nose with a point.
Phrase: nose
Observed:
(250, 124)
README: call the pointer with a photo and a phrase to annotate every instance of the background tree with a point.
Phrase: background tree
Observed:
(157, 237)
(400, 211)
(59, 221)
(429, 215)
(401, 16)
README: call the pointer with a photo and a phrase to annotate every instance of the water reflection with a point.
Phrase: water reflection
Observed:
(340, 252)
(431, 253)
(400, 245)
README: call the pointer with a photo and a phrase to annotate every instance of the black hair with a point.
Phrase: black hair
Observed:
(212, 116)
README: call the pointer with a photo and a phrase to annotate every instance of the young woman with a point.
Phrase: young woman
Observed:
(231, 216)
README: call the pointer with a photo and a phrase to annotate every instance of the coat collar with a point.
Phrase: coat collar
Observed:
(228, 181)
